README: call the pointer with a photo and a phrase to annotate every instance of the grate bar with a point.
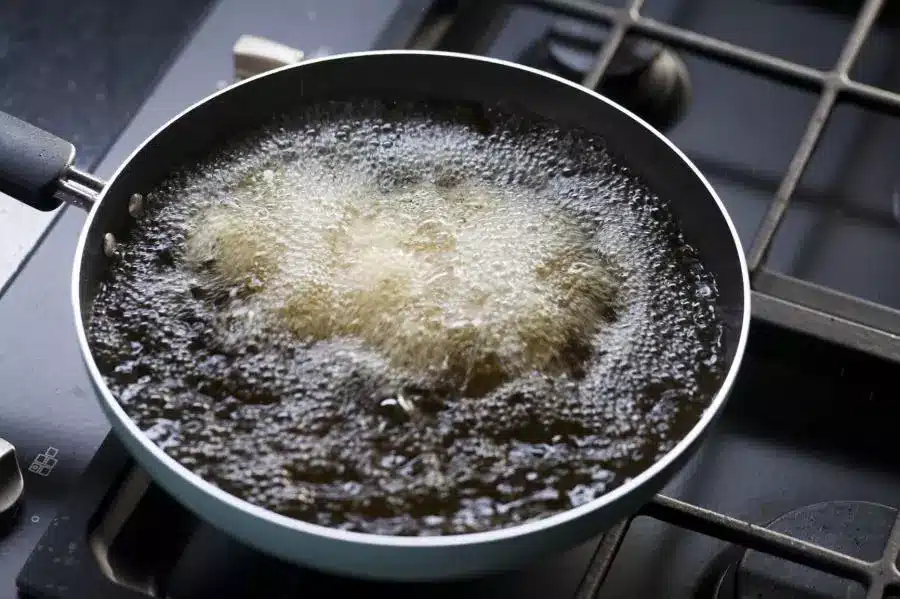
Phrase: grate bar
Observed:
(829, 301)
(762, 242)
(872, 97)
(833, 84)
(754, 61)
(601, 561)
(624, 20)
(752, 536)
(887, 575)
(811, 321)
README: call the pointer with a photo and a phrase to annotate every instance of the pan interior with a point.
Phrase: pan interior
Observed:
(409, 318)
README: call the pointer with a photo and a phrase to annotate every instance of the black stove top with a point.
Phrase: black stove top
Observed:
(804, 446)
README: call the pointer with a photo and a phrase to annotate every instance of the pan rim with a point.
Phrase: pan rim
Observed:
(115, 412)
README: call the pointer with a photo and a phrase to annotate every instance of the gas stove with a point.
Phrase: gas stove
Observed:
(790, 110)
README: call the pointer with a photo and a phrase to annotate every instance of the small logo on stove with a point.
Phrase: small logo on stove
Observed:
(44, 463)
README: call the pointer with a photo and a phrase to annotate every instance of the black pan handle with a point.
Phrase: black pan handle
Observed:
(36, 168)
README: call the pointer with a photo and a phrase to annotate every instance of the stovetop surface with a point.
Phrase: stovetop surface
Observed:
(807, 422)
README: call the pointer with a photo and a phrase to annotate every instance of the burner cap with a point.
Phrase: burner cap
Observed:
(856, 528)
(644, 76)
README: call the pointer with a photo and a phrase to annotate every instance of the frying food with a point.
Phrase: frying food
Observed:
(468, 286)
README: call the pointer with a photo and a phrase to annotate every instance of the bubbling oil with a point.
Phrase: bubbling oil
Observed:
(409, 318)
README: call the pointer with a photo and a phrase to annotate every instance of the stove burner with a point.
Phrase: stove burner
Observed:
(644, 76)
(856, 528)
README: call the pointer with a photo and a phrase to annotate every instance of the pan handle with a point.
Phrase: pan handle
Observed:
(36, 168)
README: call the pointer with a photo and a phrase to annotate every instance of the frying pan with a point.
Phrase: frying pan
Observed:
(36, 168)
